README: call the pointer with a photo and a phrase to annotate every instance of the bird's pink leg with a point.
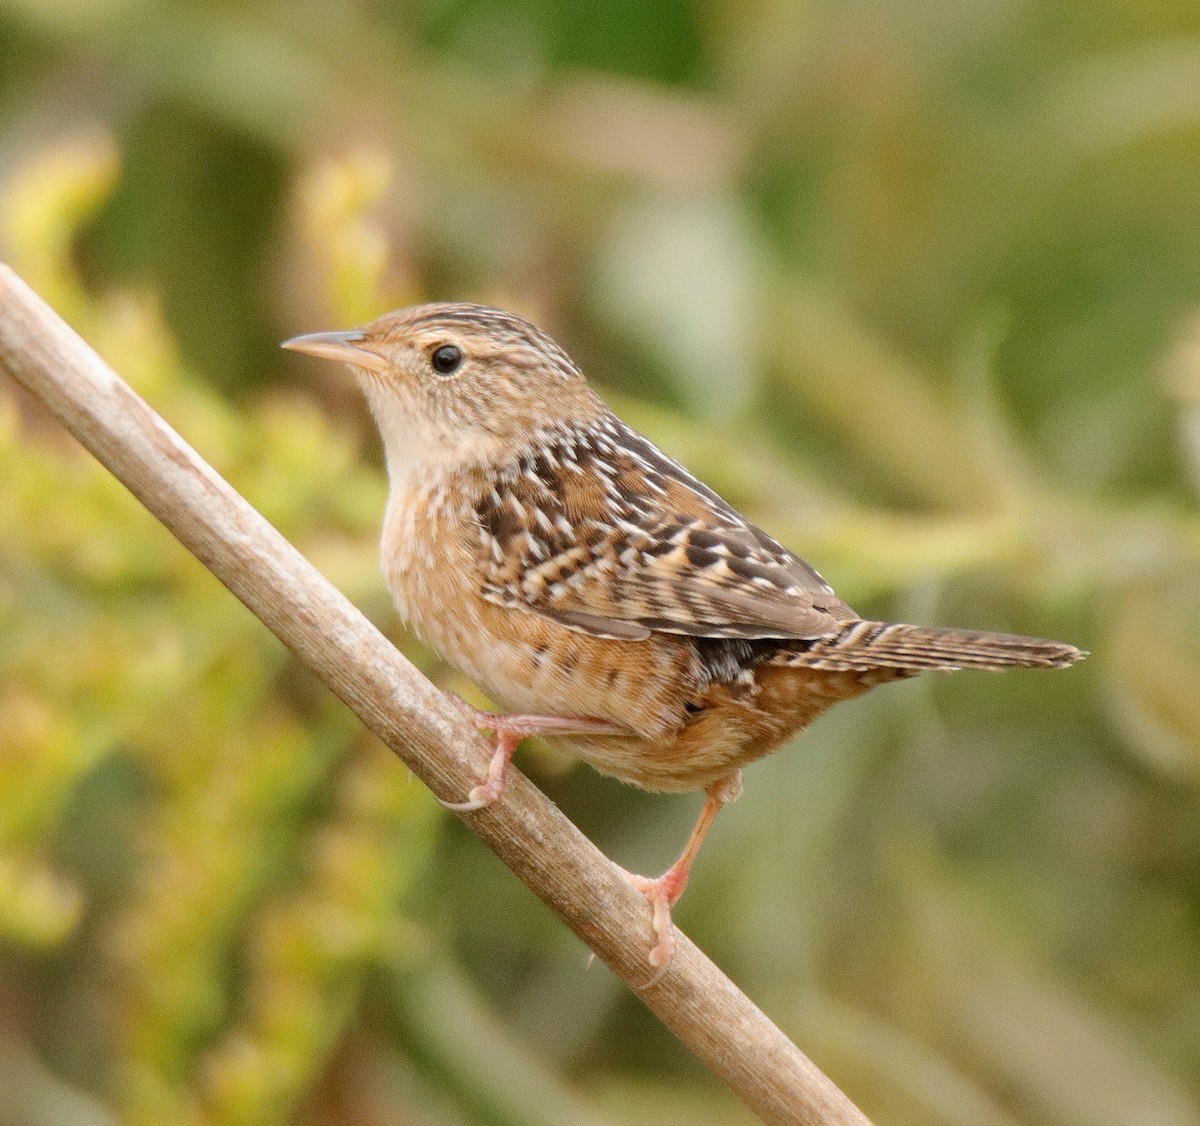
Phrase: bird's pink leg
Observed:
(509, 731)
(664, 891)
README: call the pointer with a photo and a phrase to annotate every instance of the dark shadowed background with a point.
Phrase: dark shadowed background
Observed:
(916, 285)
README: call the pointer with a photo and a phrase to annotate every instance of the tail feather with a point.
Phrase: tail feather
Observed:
(872, 645)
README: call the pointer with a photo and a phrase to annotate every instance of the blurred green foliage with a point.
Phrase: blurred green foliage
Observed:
(917, 285)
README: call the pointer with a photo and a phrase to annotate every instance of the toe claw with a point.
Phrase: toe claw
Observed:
(479, 797)
(462, 707)
(663, 950)
(656, 977)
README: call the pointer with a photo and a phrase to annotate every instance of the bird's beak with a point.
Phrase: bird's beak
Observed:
(344, 346)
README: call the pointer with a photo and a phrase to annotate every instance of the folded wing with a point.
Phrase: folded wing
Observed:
(601, 531)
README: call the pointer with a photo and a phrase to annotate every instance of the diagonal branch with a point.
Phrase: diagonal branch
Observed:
(712, 1017)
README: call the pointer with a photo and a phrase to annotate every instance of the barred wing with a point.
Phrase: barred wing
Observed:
(599, 530)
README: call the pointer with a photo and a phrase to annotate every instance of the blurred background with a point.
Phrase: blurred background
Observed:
(915, 284)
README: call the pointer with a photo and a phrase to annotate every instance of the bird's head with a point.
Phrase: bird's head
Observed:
(456, 383)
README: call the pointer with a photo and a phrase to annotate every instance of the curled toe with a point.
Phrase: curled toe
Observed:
(662, 952)
(479, 797)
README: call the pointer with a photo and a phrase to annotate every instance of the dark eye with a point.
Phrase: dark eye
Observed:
(446, 359)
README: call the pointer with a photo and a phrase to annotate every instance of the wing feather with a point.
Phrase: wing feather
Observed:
(603, 532)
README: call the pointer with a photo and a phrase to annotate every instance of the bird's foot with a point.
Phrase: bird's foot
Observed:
(509, 730)
(662, 893)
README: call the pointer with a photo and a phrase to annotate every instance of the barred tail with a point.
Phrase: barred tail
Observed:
(873, 645)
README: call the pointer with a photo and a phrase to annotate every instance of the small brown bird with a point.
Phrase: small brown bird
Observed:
(592, 586)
